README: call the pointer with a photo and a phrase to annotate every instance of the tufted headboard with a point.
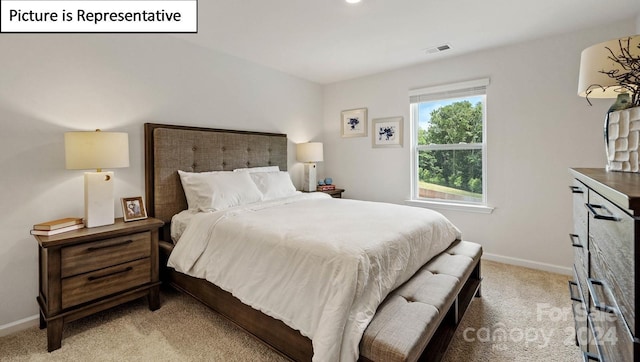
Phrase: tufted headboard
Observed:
(170, 148)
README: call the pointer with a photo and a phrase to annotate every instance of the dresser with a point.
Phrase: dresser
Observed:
(88, 270)
(604, 291)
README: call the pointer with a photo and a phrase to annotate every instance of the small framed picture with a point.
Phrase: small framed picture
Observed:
(133, 208)
(387, 132)
(354, 123)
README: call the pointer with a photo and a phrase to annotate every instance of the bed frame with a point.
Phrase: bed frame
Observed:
(169, 148)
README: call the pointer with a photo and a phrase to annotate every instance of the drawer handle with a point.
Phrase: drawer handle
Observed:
(596, 215)
(127, 269)
(94, 248)
(586, 357)
(573, 237)
(571, 285)
(576, 190)
(594, 297)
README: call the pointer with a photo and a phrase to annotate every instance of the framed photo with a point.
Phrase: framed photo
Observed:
(354, 123)
(133, 208)
(387, 132)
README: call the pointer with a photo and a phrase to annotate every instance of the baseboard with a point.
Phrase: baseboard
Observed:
(17, 326)
(528, 264)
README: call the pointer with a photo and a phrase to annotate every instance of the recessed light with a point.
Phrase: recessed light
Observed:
(353, 1)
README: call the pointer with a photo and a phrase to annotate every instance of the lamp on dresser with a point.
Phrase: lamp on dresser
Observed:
(309, 153)
(612, 70)
(97, 150)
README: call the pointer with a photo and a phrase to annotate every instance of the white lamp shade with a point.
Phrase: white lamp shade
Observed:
(309, 152)
(96, 150)
(596, 59)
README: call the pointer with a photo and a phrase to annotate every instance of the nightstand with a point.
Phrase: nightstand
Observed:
(336, 194)
(92, 269)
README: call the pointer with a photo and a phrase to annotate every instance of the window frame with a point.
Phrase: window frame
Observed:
(443, 92)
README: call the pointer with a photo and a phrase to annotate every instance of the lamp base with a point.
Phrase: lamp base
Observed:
(309, 177)
(622, 140)
(98, 199)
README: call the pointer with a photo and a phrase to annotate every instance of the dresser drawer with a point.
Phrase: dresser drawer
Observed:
(87, 257)
(611, 249)
(610, 330)
(580, 235)
(579, 310)
(100, 283)
(580, 194)
(580, 275)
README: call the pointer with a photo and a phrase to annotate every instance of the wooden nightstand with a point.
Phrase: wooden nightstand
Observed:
(336, 194)
(88, 270)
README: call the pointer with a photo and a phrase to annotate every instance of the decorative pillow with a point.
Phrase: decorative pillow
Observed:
(258, 169)
(218, 190)
(273, 185)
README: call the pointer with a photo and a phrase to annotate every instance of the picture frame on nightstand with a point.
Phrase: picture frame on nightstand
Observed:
(133, 208)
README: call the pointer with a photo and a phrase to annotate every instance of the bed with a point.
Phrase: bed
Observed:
(417, 313)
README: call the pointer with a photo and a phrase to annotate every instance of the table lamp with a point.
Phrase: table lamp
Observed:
(97, 150)
(309, 153)
(612, 70)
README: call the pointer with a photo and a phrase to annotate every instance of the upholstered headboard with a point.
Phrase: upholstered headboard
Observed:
(170, 148)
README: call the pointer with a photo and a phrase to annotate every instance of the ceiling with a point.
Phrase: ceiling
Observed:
(326, 41)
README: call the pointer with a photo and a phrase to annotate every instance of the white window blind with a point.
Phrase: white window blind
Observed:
(448, 91)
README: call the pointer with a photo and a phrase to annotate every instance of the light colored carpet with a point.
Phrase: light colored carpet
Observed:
(523, 315)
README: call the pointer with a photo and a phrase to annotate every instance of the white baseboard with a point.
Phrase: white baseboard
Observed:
(17, 326)
(528, 264)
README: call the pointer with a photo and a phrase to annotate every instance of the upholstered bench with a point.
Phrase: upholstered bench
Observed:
(406, 323)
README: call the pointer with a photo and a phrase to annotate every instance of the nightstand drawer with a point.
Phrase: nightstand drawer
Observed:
(78, 259)
(100, 283)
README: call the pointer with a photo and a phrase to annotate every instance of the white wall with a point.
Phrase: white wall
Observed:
(50, 84)
(537, 128)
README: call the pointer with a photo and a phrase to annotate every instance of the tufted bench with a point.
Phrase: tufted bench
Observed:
(425, 310)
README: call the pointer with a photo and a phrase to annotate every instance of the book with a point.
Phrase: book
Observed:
(325, 187)
(57, 231)
(57, 224)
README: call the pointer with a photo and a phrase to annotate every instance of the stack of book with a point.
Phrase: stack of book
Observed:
(57, 226)
(326, 187)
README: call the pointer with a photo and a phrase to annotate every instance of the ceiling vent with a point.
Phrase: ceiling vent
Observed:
(438, 49)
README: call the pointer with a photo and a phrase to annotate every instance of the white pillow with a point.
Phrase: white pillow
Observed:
(274, 185)
(218, 190)
(259, 169)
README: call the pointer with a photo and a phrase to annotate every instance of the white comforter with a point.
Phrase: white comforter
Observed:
(320, 265)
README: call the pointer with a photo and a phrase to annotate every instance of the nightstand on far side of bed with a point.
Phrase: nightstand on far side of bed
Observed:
(336, 193)
(88, 270)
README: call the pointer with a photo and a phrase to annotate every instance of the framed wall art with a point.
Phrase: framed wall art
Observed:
(133, 208)
(353, 123)
(387, 132)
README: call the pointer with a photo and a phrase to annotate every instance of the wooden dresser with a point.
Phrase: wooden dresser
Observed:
(88, 270)
(606, 229)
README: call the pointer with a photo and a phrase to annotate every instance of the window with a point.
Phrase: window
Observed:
(448, 130)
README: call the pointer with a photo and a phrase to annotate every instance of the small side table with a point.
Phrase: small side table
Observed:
(336, 194)
(88, 270)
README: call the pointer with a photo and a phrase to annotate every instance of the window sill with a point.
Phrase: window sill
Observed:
(481, 209)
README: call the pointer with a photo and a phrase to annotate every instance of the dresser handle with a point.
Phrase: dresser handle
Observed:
(575, 299)
(573, 243)
(92, 278)
(594, 297)
(576, 189)
(94, 248)
(586, 357)
(593, 208)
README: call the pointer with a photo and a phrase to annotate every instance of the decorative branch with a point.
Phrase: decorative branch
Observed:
(629, 80)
